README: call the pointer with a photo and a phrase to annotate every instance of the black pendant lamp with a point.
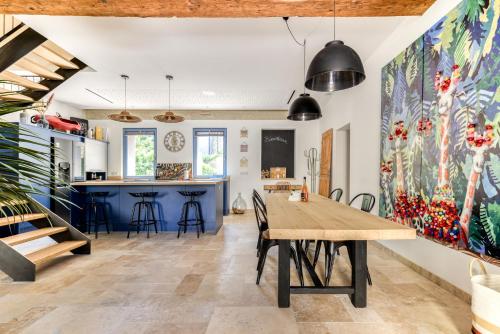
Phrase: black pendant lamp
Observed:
(304, 108)
(336, 67)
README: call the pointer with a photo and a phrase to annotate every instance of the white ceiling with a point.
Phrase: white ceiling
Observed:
(248, 63)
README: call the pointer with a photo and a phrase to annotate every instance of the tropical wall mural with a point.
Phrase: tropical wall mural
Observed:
(440, 151)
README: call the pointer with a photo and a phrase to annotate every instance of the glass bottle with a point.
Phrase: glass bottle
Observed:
(304, 192)
(42, 122)
(239, 205)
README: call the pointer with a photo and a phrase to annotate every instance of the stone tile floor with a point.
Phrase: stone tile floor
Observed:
(169, 285)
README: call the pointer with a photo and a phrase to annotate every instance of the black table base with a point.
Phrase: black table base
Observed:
(357, 290)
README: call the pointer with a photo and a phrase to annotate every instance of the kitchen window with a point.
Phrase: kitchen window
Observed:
(139, 153)
(210, 154)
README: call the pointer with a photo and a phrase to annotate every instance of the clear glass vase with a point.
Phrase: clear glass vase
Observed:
(239, 205)
(42, 122)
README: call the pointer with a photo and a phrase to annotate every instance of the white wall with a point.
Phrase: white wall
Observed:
(306, 136)
(360, 108)
(64, 109)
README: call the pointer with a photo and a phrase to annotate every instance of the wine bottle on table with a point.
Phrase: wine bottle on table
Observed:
(304, 192)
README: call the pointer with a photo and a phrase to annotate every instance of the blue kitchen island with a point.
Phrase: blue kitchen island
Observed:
(168, 202)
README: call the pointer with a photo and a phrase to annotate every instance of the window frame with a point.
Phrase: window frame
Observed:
(195, 149)
(125, 150)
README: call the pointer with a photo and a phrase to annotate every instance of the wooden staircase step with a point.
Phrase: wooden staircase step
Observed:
(19, 80)
(13, 36)
(8, 95)
(46, 254)
(54, 58)
(12, 203)
(33, 67)
(4, 221)
(58, 50)
(8, 22)
(32, 235)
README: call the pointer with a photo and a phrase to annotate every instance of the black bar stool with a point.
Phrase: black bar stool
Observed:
(145, 212)
(94, 211)
(191, 203)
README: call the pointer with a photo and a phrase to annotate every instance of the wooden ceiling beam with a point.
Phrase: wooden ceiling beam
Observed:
(217, 8)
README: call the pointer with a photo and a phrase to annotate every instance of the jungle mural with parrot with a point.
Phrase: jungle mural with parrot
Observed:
(440, 132)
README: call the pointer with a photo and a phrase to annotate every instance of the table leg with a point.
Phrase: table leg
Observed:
(284, 273)
(359, 266)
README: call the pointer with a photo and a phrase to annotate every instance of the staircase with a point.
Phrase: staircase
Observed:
(64, 238)
(30, 65)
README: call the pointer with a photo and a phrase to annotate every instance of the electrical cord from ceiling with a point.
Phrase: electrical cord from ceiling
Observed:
(291, 33)
(303, 45)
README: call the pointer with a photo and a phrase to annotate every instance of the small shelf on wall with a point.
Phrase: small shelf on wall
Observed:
(97, 140)
(278, 179)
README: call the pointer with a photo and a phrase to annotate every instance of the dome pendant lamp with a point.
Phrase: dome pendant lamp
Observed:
(304, 108)
(335, 67)
(125, 116)
(169, 116)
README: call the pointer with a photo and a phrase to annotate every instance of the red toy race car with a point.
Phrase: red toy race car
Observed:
(59, 123)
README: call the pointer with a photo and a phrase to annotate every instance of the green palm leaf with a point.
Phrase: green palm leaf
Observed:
(26, 169)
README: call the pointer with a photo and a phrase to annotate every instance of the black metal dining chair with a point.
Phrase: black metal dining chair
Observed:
(336, 194)
(261, 219)
(265, 242)
(259, 198)
(367, 204)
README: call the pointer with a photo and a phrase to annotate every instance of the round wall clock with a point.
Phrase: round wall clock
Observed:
(174, 141)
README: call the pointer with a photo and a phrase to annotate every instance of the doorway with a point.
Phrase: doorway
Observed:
(341, 161)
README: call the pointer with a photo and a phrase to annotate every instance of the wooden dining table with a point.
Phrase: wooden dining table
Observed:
(324, 219)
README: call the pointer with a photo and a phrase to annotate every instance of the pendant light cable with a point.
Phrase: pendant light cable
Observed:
(290, 31)
(334, 20)
(304, 72)
(125, 78)
(169, 78)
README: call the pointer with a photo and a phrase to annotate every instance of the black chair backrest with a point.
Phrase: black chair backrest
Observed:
(260, 214)
(336, 194)
(367, 203)
(258, 198)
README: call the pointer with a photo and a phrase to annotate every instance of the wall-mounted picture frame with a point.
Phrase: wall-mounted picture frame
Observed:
(244, 132)
(244, 162)
(84, 126)
(244, 147)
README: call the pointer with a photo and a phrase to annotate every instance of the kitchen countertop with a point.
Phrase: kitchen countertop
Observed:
(192, 182)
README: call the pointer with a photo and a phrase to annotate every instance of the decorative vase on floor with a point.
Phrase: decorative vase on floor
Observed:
(239, 205)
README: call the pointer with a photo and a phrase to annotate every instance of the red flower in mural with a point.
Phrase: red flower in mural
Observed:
(386, 167)
(445, 85)
(424, 126)
(441, 220)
